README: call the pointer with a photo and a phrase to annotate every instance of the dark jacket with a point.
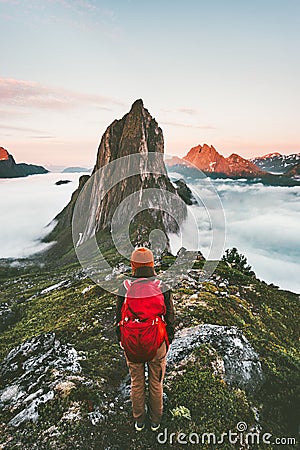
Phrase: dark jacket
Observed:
(147, 272)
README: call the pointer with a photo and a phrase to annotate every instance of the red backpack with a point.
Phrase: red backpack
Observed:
(143, 328)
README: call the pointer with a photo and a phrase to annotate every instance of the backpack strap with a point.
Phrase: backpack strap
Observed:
(157, 283)
(127, 284)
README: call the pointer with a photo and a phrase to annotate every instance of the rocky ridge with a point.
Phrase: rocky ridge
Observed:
(69, 386)
(10, 169)
(275, 162)
(208, 159)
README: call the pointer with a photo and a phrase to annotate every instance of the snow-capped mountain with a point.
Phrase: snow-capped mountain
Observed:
(275, 162)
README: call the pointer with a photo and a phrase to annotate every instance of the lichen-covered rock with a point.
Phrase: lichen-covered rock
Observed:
(33, 372)
(241, 362)
(235, 360)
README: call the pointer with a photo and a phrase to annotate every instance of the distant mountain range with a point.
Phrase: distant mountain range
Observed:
(275, 162)
(76, 170)
(272, 168)
(10, 169)
(213, 164)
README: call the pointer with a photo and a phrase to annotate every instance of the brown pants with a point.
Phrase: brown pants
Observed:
(156, 373)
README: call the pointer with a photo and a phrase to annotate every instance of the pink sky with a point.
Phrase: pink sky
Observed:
(209, 72)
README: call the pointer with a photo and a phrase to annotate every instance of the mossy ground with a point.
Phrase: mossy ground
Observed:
(83, 314)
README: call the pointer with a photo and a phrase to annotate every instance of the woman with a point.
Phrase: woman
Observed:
(142, 264)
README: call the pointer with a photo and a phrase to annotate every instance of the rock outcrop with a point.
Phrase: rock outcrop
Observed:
(10, 169)
(34, 372)
(137, 133)
(238, 364)
(207, 159)
(241, 363)
(185, 192)
(60, 182)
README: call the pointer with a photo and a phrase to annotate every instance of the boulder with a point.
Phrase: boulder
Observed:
(32, 373)
(241, 362)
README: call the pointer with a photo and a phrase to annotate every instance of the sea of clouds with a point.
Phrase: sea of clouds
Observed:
(28, 207)
(261, 221)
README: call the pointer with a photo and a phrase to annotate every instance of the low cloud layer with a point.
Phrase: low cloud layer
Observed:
(261, 221)
(27, 206)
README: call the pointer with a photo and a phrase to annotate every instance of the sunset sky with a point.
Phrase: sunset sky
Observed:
(224, 72)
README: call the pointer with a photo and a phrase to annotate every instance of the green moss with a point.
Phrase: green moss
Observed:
(267, 316)
(213, 405)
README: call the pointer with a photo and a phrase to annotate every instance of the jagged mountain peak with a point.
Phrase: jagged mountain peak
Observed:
(270, 155)
(137, 104)
(4, 155)
(137, 132)
(234, 156)
(208, 159)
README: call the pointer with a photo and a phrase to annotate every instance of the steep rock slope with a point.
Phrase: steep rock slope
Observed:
(137, 133)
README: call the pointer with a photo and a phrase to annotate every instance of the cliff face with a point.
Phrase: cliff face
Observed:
(207, 159)
(120, 181)
(9, 168)
(136, 133)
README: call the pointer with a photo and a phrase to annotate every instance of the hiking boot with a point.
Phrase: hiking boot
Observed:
(155, 426)
(139, 426)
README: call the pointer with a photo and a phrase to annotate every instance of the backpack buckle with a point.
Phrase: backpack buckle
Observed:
(155, 321)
